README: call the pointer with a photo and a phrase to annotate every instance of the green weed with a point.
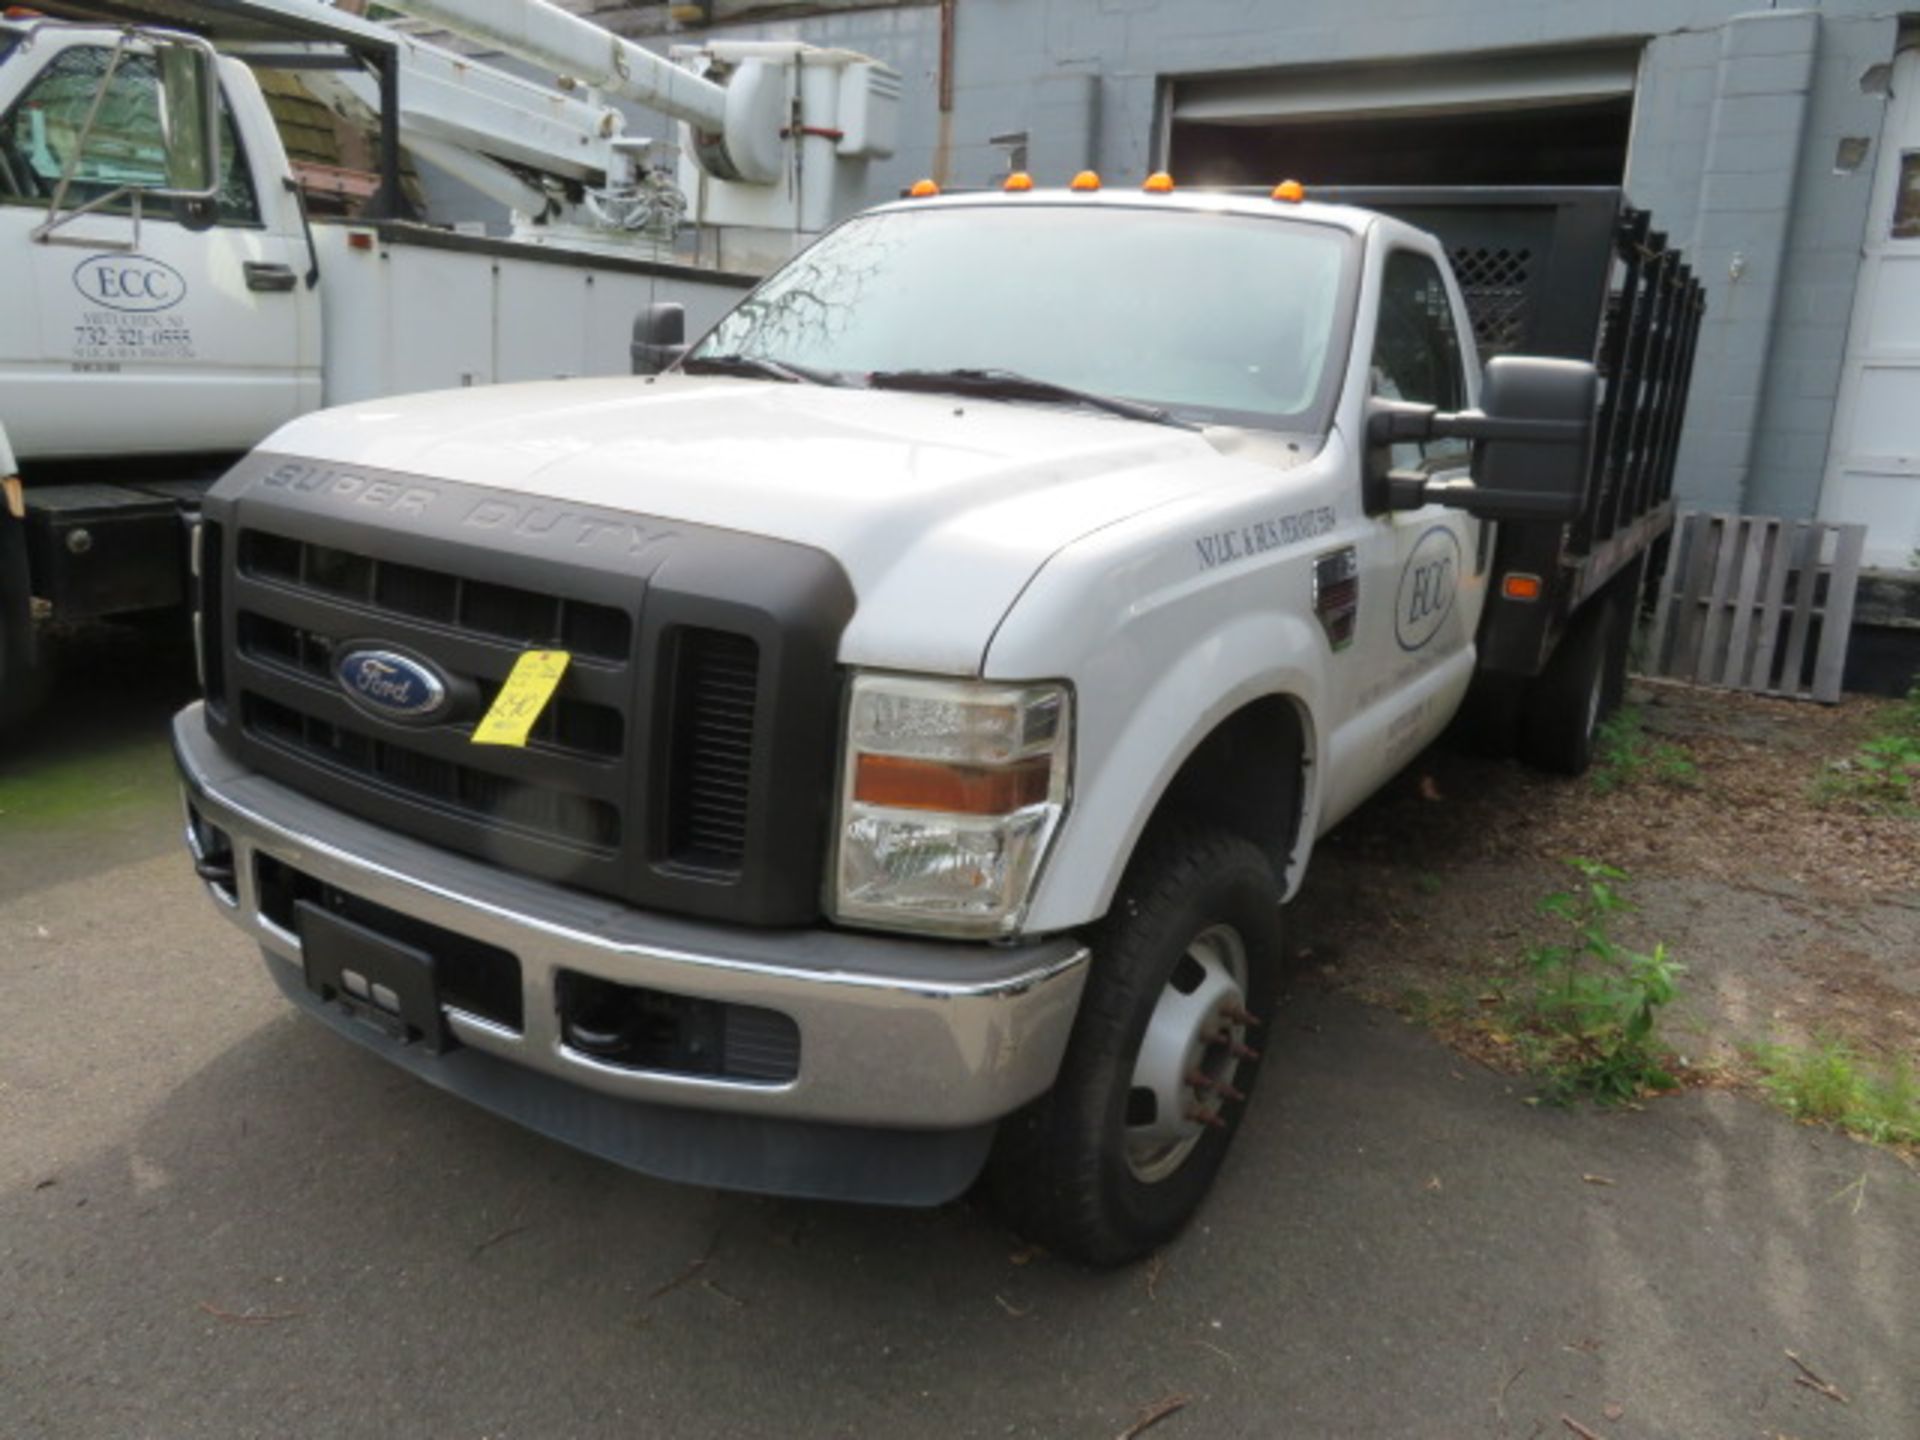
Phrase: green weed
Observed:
(1883, 773)
(1586, 1014)
(1830, 1083)
(1623, 754)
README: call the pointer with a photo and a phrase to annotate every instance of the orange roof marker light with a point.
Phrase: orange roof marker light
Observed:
(1159, 183)
(923, 190)
(1518, 586)
(1085, 180)
(1291, 191)
(1019, 182)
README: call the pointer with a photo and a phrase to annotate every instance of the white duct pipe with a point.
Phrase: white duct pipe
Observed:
(545, 35)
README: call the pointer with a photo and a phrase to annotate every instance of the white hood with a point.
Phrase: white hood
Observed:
(939, 508)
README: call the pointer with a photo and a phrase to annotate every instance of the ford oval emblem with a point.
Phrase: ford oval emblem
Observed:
(138, 283)
(391, 685)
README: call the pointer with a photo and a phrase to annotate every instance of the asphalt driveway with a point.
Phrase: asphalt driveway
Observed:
(218, 1220)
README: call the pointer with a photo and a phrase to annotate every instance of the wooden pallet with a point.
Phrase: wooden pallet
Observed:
(1755, 603)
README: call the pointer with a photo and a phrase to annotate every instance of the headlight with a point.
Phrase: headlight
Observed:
(950, 794)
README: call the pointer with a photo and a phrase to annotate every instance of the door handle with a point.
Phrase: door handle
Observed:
(263, 276)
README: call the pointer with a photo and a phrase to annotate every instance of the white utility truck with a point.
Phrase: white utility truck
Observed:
(878, 747)
(173, 302)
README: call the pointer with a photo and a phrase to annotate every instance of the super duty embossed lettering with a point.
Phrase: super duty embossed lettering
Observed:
(571, 527)
(400, 499)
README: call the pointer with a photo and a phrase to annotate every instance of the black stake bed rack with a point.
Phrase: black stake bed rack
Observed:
(1576, 273)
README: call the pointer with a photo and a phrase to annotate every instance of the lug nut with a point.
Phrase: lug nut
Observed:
(1202, 1081)
(1239, 1015)
(1242, 1052)
(1206, 1117)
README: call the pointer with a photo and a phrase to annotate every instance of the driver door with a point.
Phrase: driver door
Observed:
(142, 337)
(1423, 571)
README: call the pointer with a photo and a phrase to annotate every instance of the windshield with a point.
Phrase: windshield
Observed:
(1218, 317)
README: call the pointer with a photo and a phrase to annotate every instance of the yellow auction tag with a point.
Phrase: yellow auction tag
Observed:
(535, 676)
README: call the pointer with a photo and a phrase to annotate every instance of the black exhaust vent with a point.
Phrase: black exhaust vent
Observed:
(716, 683)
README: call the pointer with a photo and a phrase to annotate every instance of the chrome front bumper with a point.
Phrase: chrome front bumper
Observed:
(906, 1034)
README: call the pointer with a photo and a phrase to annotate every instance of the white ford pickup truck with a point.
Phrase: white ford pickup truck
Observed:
(959, 651)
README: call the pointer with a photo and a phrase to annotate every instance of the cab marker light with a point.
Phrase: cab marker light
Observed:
(923, 190)
(1019, 182)
(1518, 586)
(1291, 191)
(1085, 181)
(1159, 183)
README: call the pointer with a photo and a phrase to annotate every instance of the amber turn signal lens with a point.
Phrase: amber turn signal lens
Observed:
(1521, 587)
(907, 784)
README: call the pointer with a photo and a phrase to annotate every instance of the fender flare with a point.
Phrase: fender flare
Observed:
(1120, 780)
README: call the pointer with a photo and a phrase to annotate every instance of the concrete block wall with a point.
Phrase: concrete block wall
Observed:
(1739, 115)
(1825, 232)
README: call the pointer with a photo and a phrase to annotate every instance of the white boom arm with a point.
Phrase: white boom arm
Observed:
(776, 135)
(548, 36)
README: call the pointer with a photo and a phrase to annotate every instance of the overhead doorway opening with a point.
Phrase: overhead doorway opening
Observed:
(1544, 118)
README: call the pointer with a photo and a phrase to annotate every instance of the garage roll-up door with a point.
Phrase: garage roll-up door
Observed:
(1404, 90)
(1445, 122)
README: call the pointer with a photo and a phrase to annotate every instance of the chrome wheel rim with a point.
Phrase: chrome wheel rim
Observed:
(1193, 1047)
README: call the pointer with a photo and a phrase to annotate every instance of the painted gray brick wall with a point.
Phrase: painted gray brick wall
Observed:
(1739, 114)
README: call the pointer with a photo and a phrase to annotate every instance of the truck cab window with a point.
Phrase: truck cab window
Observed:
(39, 134)
(1416, 354)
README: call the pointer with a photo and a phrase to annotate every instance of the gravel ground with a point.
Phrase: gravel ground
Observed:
(1795, 919)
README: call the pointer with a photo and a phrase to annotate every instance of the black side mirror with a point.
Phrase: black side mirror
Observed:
(659, 337)
(1533, 434)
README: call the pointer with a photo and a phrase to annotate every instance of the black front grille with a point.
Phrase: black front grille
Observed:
(685, 762)
(566, 725)
(464, 790)
(209, 612)
(716, 686)
(459, 602)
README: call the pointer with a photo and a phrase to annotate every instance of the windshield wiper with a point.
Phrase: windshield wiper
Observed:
(1012, 385)
(782, 370)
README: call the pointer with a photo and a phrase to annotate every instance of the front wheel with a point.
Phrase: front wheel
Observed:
(1116, 1158)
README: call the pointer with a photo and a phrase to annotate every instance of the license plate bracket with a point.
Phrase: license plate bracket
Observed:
(378, 980)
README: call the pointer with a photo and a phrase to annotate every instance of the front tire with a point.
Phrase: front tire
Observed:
(1117, 1157)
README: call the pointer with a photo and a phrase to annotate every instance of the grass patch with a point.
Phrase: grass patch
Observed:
(1882, 775)
(69, 788)
(1624, 754)
(1828, 1082)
